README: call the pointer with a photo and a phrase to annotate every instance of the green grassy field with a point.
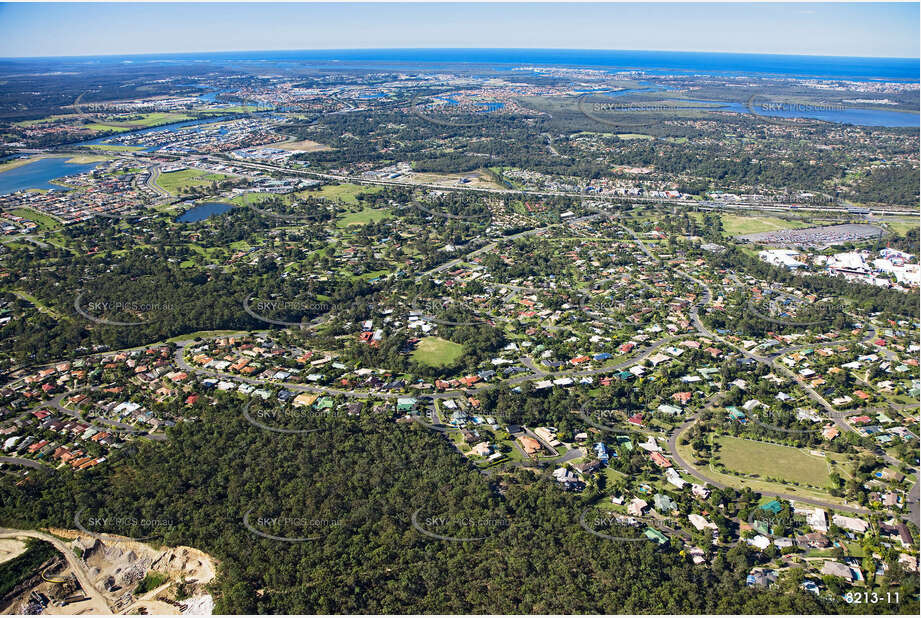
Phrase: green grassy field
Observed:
(46, 119)
(634, 136)
(250, 199)
(437, 352)
(115, 147)
(96, 126)
(174, 181)
(772, 460)
(900, 226)
(737, 225)
(88, 158)
(346, 192)
(44, 221)
(145, 121)
(367, 215)
(37, 303)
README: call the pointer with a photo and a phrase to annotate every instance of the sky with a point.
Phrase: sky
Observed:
(848, 29)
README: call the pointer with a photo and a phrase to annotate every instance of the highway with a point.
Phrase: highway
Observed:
(589, 196)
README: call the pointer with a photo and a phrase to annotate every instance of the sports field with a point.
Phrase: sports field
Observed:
(736, 225)
(437, 352)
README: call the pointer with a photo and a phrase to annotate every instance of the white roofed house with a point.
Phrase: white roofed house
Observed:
(700, 522)
(636, 507)
(815, 517)
(850, 523)
(674, 478)
(700, 491)
(837, 569)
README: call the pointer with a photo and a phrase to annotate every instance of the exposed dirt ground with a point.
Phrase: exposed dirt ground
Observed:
(108, 571)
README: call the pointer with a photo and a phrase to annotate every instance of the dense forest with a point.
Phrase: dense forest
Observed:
(369, 476)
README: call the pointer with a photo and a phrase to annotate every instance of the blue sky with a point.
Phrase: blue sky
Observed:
(825, 29)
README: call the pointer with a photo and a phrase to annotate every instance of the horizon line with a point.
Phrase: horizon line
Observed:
(354, 49)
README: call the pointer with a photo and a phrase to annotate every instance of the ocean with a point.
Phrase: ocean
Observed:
(653, 62)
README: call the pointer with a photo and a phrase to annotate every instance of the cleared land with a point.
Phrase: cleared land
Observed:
(478, 179)
(772, 460)
(437, 352)
(305, 145)
(10, 548)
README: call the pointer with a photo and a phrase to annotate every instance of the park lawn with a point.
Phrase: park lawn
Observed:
(172, 182)
(737, 225)
(365, 216)
(634, 136)
(437, 352)
(772, 460)
(757, 485)
(43, 220)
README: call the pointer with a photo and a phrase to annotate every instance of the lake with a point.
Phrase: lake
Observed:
(127, 138)
(203, 211)
(40, 173)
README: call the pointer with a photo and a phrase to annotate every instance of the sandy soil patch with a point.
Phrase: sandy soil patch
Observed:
(116, 565)
(10, 548)
(479, 179)
(305, 145)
